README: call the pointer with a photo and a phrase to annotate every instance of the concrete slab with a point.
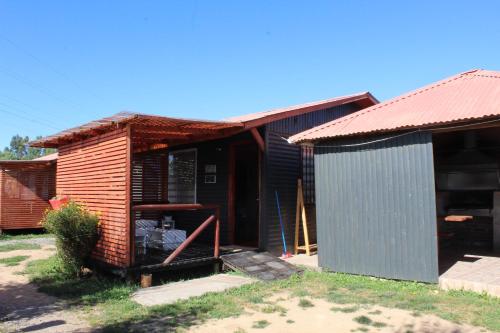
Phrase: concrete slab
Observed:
(172, 292)
(477, 273)
(305, 260)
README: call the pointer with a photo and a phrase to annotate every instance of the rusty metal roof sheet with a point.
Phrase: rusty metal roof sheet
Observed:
(468, 96)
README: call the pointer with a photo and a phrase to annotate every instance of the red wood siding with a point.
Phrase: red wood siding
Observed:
(95, 172)
(25, 191)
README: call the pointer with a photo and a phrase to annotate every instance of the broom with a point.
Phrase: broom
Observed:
(286, 254)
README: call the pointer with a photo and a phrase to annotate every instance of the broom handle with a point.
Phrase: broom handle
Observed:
(281, 222)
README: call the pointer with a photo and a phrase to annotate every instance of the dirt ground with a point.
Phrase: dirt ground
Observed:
(23, 308)
(282, 313)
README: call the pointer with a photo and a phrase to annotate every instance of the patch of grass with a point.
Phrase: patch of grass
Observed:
(361, 329)
(261, 324)
(375, 312)
(379, 324)
(305, 303)
(272, 308)
(13, 261)
(21, 236)
(109, 306)
(289, 321)
(349, 309)
(363, 320)
(240, 330)
(19, 246)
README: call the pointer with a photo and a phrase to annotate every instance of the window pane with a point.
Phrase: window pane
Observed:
(182, 176)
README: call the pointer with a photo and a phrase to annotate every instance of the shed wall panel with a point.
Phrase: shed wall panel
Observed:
(94, 172)
(375, 207)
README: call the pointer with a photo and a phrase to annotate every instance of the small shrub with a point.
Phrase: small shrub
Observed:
(305, 303)
(75, 230)
(363, 320)
(261, 324)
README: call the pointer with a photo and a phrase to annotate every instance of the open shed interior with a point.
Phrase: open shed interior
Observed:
(467, 177)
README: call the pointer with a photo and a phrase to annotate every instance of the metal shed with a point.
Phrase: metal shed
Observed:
(377, 179)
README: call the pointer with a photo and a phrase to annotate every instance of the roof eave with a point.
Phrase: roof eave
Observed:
(365, 99)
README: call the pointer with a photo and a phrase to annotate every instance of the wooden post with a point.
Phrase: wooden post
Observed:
(146, 280)
(217, 233)
(297, 219)
(258, 138)
(300, 213)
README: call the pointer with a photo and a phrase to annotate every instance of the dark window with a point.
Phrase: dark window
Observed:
(308, 174)
(182, 176)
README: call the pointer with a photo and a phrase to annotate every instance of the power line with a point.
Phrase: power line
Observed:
(49, 66)
(37, 87)
(34, 109)
(29, 119)
(47, 122)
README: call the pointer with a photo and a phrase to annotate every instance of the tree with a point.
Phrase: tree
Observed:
(19, 149)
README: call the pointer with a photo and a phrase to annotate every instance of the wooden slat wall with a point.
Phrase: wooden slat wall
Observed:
(24, 195)
(95, 173)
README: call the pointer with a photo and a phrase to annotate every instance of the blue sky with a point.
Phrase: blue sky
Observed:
(63, 63)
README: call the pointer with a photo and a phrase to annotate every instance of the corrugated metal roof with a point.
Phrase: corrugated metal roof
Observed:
(472, 95)
(180, 126)
(254, 119)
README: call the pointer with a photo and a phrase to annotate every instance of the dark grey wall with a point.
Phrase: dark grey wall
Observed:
(375, 206)
(281, 169)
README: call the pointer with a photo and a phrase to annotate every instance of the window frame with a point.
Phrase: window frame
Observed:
(195, 150)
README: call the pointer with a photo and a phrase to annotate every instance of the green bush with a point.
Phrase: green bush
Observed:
(76, 233)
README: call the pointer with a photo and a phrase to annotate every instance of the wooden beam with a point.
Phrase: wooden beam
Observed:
(258, 138)
(173, 207)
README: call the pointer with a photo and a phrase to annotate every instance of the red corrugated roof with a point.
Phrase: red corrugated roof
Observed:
(472, 95)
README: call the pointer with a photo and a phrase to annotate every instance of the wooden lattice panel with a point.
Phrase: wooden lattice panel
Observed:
(95, 173)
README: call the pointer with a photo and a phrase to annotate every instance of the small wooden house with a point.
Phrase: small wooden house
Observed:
(145, 174)
(25, 190)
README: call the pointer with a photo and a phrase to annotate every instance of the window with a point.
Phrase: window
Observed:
(182, 176)
(308, 174)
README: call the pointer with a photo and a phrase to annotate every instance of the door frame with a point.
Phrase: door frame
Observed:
(231, 209)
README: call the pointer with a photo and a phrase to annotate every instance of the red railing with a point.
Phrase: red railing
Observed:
(185, 207)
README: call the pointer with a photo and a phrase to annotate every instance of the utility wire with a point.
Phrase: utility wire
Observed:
(403, 134)
(29, 119)
(37, 110)
(46, 122)
(49, 66)
(38, 87)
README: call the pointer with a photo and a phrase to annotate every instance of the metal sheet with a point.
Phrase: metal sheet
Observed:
(375, 206)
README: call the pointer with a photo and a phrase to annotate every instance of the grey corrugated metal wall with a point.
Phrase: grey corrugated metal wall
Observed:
(375, 206)
(281, 168)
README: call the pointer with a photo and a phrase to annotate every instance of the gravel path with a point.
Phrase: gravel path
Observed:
(23, 308)
(49, 240)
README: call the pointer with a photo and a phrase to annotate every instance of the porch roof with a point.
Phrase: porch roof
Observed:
(150, 130)
(146, 129)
